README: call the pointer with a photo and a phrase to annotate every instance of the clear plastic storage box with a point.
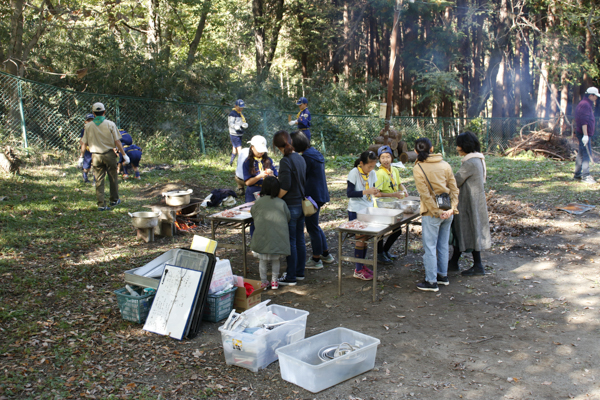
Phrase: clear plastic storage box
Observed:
(302, 363)
(256, 352)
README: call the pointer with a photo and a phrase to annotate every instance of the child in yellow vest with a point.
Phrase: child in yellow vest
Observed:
(388, 181)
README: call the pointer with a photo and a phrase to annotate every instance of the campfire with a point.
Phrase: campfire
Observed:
(187, 222)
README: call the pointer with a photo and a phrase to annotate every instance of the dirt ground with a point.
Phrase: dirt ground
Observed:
(527, 330)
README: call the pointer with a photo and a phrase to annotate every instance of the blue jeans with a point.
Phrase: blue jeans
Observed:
(297, 259)
(436, 233)
(582, 162)
(317, 236)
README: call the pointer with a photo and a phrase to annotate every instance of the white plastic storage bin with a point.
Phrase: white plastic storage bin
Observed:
(255, 352)
(300, 363)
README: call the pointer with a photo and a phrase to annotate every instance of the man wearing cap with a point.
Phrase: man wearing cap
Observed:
(237, 124)
(87, 156)
(584, 130)
(102, 136)
(303, 117)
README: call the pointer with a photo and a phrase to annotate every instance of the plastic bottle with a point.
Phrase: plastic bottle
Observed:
(131, 291)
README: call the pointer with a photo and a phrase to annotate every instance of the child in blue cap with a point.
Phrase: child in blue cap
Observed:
(388, 179)
(134, 152)
(303, 118)
(87, 156)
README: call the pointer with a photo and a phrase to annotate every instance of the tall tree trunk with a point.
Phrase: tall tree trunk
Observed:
(191, 56)
(476, 97)
(409, 37)
(564, 99)
(384, 59)
(463, 63)
(590, 54)
(528, 106)
(542, 98)
(517, 68)
(15, 45)
(498, 61)
(266, 34)
(346, 18)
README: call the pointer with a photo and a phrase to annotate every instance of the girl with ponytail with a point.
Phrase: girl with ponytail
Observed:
(361, 191)
(433, 176)
(292, 178)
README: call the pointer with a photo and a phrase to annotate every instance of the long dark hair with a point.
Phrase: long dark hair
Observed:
(266, 161)
(270, 187)
(422, 147)
(468, 142)
(283, 139)
(365, 157)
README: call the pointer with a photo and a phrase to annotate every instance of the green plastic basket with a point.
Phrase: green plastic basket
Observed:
(134, 308)
(219, 307)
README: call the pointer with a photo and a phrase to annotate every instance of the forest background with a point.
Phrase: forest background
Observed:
(468, 58)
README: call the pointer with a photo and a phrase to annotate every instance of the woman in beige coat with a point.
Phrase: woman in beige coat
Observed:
(433, 176)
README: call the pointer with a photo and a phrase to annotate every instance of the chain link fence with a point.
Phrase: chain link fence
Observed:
(49, 118)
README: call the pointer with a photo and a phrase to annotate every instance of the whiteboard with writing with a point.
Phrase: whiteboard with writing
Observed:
(174, 302)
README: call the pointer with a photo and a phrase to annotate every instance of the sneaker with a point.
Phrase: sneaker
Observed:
(115, 203)
(442, 280)
(453, 266)
(363, 274)
(577, 178)
(368, 269)
(328, 260)
(125, 176)
(284, 281)
(103, 208)
(274, 285)
(312, 264)
(264, 285)
(389, 255)
(588, 179)
(382, 259)
(299, 278)
(474, 270)
(428, 287)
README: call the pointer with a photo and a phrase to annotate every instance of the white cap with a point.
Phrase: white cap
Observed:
(259, 143)
(98, 107)
(592, 90)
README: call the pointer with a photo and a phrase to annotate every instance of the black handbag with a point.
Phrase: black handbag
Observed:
(442, 200)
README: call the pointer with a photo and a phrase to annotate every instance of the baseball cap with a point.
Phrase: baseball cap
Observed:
(89, 116)
(302, 100)
(384, 149)
(259, 143)
(98, 107)
(240, 103)
(592, 90)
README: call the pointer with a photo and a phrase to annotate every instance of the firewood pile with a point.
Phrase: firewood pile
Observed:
(10, 161)
(392, 138)
(543, 143)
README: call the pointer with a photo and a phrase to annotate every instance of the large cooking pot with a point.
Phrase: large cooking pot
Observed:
(144, 219)
(177, 197)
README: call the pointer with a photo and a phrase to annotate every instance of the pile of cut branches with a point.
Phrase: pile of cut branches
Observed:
(542, 143)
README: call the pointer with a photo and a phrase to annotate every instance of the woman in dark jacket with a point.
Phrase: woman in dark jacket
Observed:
(316, 187)
(470, 228)
(292, 177)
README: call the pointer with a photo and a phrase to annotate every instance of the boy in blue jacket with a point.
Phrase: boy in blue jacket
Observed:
(87, 156)
(134, 152)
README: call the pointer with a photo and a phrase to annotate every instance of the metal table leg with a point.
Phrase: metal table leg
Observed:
(406, 239)
(339, 263)
(375, 243)
(244, 247)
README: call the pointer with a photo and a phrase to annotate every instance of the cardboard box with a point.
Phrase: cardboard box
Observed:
(243, 303)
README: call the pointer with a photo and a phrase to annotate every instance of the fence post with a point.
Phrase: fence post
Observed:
(323, 143)
(487, 136)
(118, 114)
(265, 124)
(22, 112)
(201, 133)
